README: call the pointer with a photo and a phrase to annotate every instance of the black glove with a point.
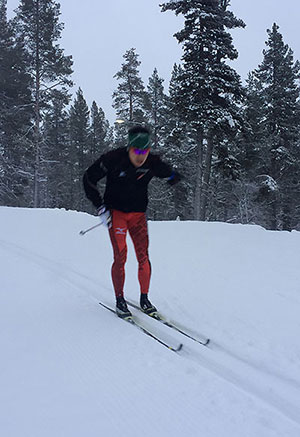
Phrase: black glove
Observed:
(174, 178)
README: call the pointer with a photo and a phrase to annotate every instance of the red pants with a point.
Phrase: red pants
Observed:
(136, 224)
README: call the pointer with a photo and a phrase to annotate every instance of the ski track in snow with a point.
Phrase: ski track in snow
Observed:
(215, 358)
(259, 385)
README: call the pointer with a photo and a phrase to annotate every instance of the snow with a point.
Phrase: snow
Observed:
(70, 368)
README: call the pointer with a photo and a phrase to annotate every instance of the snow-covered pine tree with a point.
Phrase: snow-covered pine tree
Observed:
(15, 117)
(249, 141)
(179, 149)
(79, 129)
(278, 75)
(253, 132)
(99, 131)
(156, 107)
(37, 22)
(100, 140)
(156, 119)
(130, 98)
(210, 88)
(55, 164)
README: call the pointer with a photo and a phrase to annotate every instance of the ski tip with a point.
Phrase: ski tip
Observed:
(207, 342)
(178, 348)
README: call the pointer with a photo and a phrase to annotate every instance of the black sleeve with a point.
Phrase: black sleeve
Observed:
(92, 175)
(163, 170)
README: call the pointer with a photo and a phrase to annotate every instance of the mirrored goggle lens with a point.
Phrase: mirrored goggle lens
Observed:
(140, 152)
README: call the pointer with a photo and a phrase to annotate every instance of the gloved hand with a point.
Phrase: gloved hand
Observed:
(174, 178)
(104, 216)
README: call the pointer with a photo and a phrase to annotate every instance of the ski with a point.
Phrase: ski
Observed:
(155, 315)
(133, 321)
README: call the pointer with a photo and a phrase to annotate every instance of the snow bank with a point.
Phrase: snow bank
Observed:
(70, 368)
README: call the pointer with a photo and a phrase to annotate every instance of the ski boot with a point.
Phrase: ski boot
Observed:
(146, 305)
(122, 309)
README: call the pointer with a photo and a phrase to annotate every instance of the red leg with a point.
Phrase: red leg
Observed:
(138, 230)
(117, 234)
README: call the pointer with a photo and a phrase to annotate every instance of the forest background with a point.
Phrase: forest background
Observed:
(237, 145)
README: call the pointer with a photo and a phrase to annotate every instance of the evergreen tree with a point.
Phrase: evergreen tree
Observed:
(156, 115)
(278, 75)
(99, 132)
(15, 117)
(249, 141)
(156, 111)
(210, 89)
(56, 165)
(178, 148)
(130, 96)
(79, 128)
(253, 133)
(176, 131)
(37, 22)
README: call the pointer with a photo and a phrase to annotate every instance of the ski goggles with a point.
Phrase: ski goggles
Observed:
(140, 151)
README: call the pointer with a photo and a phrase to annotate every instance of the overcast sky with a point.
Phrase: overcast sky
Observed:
(97, 33)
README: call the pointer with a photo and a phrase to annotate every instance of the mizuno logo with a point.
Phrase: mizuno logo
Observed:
(121, 231)
(122, 174)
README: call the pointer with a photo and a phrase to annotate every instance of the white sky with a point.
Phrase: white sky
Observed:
(97, 34)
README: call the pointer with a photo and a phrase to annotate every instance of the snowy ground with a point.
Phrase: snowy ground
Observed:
(69, 368)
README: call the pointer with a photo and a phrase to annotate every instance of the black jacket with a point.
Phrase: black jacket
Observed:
(126, 185)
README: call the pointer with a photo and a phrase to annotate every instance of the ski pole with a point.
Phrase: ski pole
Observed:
(90, 229)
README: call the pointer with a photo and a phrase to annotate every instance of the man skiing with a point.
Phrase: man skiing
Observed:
(128, 171)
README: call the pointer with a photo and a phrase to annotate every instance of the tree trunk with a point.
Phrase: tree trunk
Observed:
(199, 176)
(130, 101)
(36, 200)
(206, 176)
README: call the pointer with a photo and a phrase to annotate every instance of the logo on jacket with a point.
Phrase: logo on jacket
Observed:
(122, 174)
(142, 172)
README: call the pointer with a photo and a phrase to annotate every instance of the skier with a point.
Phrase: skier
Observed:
(128, 171)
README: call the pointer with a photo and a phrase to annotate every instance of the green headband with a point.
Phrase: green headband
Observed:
(140, 140)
